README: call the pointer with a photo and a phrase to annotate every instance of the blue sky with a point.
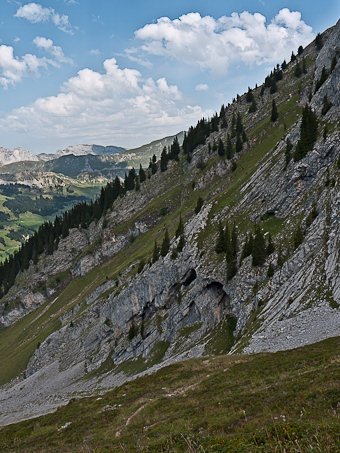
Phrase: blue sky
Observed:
(126, 73)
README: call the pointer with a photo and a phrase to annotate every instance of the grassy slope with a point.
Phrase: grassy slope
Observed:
(282, 402)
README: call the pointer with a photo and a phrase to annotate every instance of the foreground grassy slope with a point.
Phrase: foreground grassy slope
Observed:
(288, 401)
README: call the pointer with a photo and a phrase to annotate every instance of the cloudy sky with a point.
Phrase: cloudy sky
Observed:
(126, 73)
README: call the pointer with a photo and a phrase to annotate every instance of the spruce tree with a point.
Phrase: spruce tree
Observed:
(273, 86)
(164, 160)
(326, 105)
(284, 65)
(239, 125)
(248, 247)
(165, 244)
(270, 245)
(214, 146)
(293, 57)
(298, 70)
(333, 64)
(229, 150)
(231, 255)
(270, 271)
(180, 227)
(249, 95)
(253, 107)
(300, 50)
(321, 81)
(308, 133)
(220, 243)
(304, 67)
(259, 248)
(318, 42)
(239, 144)
(199, 205)
(155, 253)
(221, 150)
(181, 243)
(274, 114)
(142, 175)
(288, 154)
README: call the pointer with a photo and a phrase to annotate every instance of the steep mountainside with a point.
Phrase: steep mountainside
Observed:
(45, 185)
(234, 247)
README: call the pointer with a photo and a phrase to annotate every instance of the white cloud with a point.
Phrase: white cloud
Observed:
(95, 52)
(201, 87)
(116, 106)
(216, 44)
(35, 13)
(46, 44)
(13, 69)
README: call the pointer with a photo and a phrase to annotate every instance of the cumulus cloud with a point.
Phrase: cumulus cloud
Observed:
(201, 87)
(115, 106)
(215, 44)
(13, 69)
(56, 52)
(35, 13)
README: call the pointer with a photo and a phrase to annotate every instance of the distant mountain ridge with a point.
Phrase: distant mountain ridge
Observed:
(8, 156)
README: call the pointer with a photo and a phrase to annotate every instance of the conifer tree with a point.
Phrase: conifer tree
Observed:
(321, 81)
(199, 205)
(304, 67)
(155, 253)
(270, 245)
(308, 133)
(259, 248)
(298, 70)
(326, 105)
(333, 64)
(284, 65)
(142, 175)
(248, 247)
(164, 160)
(221, 150)
(231, 255)
(239, 144)
(181, 243)
(175, 149)
(253, 107)
(293, 57)
(165, 244)
(274, 114)
(273, 86)
(288, 155)
(233, 125)
(229, 149)
(270, 271)
(180, 227)
(318, 42)
(239, 125)
(249, 95)
(300, 50)
(220, 243)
